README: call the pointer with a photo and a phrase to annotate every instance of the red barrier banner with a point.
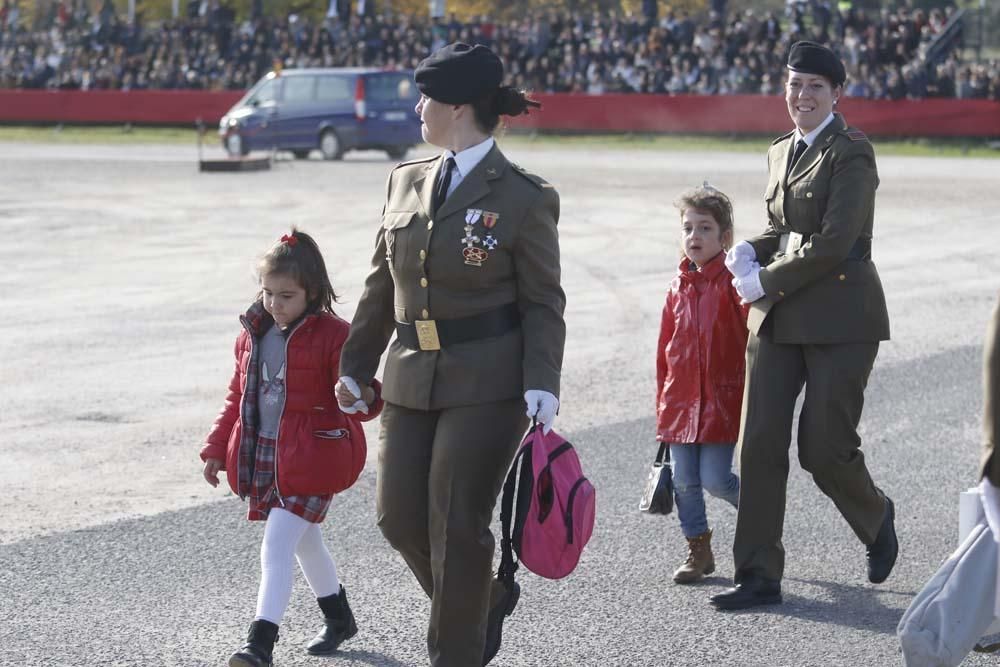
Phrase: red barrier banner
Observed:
(756, 114)
(141, 107)
(683, 114)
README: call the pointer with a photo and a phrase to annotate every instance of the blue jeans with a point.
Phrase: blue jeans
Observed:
(697, 467)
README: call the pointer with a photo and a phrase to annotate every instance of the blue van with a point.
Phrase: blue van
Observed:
(332, 110)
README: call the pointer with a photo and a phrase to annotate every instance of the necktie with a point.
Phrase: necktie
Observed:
(800, 148)
(444, 180)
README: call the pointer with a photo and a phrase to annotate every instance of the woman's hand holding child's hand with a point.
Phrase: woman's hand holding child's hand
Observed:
(353, 397)
(211, 471)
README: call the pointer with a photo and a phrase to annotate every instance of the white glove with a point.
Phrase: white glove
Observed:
(359, 405)
(543, 406)
(740, 259)
(748, 286)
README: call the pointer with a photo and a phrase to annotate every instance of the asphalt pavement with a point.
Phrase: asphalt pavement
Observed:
(127, 268)
(178, 588)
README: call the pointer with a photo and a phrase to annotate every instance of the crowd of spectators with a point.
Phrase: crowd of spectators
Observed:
(547, 51)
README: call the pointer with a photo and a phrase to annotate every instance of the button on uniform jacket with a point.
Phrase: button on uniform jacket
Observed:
(815, 294)
(700, 364)
(419, 272)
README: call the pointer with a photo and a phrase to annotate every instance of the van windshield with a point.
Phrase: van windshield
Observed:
(266, 91)
(391, 88)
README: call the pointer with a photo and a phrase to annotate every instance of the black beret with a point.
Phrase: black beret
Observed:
(459, 73)
(813, 58)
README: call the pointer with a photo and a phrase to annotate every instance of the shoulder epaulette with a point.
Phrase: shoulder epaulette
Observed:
(782, 138)
(855, 134)
(420, 161)
(538, 181)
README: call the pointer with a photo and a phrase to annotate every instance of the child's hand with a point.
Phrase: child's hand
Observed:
(211, 471)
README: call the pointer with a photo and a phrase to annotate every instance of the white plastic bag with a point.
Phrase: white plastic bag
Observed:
(960, 604)
(955, 609)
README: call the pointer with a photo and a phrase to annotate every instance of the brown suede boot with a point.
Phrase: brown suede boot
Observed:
(700, 561)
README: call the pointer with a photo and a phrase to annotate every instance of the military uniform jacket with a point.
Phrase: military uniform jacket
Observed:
(814, 293)
(419, 272)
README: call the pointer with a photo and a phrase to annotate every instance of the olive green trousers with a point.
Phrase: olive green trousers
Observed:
(834, 377)
(439, 474)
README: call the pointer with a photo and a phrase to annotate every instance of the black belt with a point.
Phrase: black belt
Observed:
(434, 334)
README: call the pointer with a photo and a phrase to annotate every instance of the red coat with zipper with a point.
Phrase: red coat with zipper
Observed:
(700, 357)
(320, 450)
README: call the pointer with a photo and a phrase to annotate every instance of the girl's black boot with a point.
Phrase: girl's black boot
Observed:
(260, 643)
(339, 627)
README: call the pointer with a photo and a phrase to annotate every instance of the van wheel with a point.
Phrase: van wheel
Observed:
(329, 145)
(235, 145)
(397, 152)
(301, 154)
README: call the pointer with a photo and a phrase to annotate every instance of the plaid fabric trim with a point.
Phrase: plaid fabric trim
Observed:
(252, 321)
(264, 495)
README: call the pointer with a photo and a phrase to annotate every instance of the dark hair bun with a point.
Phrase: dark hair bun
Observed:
(512, 102)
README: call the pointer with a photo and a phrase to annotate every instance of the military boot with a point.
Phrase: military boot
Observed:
(340, 625)
(700, 560)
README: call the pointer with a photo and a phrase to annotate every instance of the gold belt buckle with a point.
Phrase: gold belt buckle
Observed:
(427, 335)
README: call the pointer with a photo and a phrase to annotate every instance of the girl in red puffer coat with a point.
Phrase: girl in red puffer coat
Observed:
(284, 443)
(699, 372)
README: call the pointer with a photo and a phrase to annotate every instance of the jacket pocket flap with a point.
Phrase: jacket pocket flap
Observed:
(332, 434)
(806, 190)
(397, 219)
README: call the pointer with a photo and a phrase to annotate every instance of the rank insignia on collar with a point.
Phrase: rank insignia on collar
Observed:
(490, 219)
(490, 171)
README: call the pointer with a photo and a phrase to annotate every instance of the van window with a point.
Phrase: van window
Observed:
(266, 93)
(391, 88)
(334, 89)
(299, 88)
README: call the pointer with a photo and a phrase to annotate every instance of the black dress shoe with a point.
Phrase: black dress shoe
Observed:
(751, 592)
(494, 624)
(883, 551)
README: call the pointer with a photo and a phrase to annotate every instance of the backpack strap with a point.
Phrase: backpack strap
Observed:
(508, 566)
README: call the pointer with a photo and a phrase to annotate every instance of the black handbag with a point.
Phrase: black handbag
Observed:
(658, 496)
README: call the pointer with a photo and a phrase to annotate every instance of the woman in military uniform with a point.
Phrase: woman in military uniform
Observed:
(817, 316)
(466, 273)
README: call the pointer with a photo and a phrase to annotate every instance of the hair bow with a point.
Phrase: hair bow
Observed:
(289, 239)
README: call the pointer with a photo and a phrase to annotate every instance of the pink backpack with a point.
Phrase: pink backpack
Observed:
(554, 517)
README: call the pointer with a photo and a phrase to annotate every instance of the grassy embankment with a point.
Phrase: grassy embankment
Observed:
(179, 136)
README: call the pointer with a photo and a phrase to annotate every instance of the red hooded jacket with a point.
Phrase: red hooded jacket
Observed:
(320, 449)
(700, 357)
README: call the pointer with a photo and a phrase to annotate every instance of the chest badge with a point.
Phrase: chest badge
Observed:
(472, 255)
(490, 242)
(475, 256)
(490, 219)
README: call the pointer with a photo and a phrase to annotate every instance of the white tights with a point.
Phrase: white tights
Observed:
(287, 535)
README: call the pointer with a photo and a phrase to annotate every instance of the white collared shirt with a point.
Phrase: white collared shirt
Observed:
(809, 138)
(466, 161)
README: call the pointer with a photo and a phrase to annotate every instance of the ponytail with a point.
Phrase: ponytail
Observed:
(504, 101)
